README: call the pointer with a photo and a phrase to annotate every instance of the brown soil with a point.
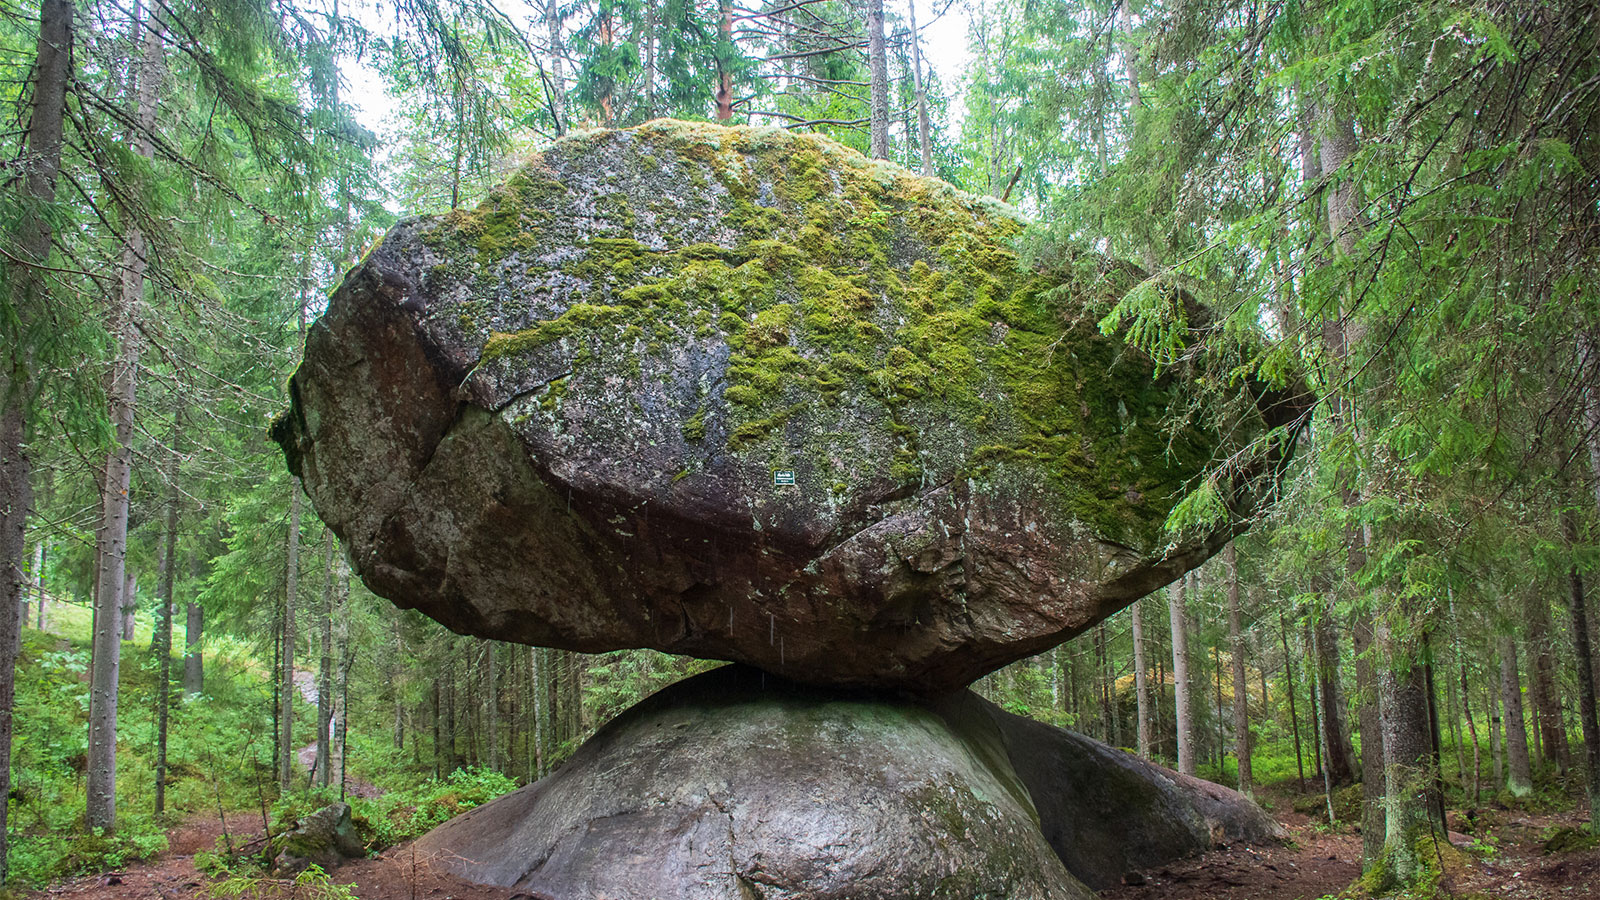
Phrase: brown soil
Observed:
(1315, 864)
(1508, 863)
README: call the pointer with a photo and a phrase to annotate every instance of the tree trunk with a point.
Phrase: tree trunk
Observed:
(493, 702)
(558, 95)
(878, 63)
(291, 586)
(924, 139)
(1103, 667)
(1496, 737)
(725, 61)
(1409, 779)
(339, 724)
(286, 687)
(1308, 641)
(649, 61)
(1337, 751)
(325, 665)
(450, 760)
(39, 164)
(40, 551)
(1372, 784)
(1584, 661)
(1294, 717)
(1141, 682)
(194, 672)
(14, 504)
(128, 613)
(116, 597)
(1541, 683)
(163, 623)
(538, 720)
(1519, 775)
(1241, 705)
(438, 736)
(1472, 731)
(1182, 702)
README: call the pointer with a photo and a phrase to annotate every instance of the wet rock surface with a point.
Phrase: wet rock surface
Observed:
(1110, 815)
(737, 784)
(572, 417)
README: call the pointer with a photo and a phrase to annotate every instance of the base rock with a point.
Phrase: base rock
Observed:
(736, 785)
(1109, 813)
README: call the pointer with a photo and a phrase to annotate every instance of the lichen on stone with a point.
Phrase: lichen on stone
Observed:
(834, 282)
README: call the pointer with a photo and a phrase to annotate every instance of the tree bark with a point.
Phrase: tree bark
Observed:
(116, 595)
(649, 61)
(1182, 702)
(1337, 751)
(878, 63)
(163, 623)
(286, 687)
(1294, 717)
(40, 551)
(1141, 681)
(538, 718)
(325, 665)
(924, 139)
(1496, 736)
(1241, 691)
(1519, 774)
(493, 702)
(724, 61)
(194, 671)
(339, 724)
(291, 589)
(438, 736)
(39, 164)
(450, 759)
(1373, 812)
(128, 612)
(1409, 780)
(558, 95)
(1542, 685)
(1583, 659)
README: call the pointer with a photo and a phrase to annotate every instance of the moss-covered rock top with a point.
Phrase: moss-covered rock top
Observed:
(839, 288)
(607, 376)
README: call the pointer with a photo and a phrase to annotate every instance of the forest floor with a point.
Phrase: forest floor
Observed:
(1315, 863)
(1507, 859)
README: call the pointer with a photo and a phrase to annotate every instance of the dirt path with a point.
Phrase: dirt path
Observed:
(396, 875)
(305, 683)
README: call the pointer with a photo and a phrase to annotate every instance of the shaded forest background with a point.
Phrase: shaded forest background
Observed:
(1396, 202)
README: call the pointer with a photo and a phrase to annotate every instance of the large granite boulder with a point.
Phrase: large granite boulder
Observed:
(736, 784)
(744, 394)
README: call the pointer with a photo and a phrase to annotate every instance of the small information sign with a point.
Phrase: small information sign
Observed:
(783, 476)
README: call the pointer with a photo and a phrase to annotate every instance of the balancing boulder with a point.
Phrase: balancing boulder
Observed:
(747, 395)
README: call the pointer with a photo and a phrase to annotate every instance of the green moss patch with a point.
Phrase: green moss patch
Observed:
(843, 282)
